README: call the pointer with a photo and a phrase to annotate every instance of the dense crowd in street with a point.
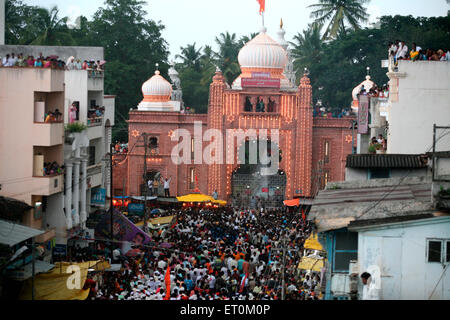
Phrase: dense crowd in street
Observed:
(222, 254)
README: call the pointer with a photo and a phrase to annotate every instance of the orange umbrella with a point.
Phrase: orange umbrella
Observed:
(292, 203)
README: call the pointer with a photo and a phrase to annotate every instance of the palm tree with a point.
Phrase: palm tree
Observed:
(226, 58)
(307, 48)
(190, 57)
(339, 13)
(52, 29)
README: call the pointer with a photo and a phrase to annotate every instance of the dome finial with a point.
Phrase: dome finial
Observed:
(281, 23)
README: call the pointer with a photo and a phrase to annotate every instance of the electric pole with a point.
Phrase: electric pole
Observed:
(145, 181)
(111, 148)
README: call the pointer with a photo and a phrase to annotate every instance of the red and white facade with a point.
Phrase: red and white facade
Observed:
(312, 148)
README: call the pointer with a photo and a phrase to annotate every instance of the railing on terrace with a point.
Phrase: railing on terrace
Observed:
(95, 169)
(95, 74)
(95, 121)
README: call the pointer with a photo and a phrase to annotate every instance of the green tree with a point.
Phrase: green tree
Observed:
(133, 45)
(53, 30)
(227, 56)
(191, 57)
(19, 28)
(308, 49)
(339, 13)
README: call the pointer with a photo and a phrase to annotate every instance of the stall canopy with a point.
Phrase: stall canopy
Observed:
(26, 272)
(313, 243)
(199, 197)
(292, 203)
(158, 221)
(54, 284)
(13, 233)
(309, 263)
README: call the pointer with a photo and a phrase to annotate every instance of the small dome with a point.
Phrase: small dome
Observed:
(263, 53)
(157, 88)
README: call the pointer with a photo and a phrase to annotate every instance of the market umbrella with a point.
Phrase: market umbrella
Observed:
(102, 62)
(310, 263)
(313, 243)
(196, 197)
(157, 211)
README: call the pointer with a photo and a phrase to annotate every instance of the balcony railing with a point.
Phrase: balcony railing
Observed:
(95, 121)
(95, 74)
(95, 169)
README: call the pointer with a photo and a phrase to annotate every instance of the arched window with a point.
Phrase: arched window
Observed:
(153, 145)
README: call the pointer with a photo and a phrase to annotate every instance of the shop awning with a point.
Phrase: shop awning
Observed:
(199, 197)
(26, 272)
(313, 243)
(292, 203)
(158, 221)
(13, 233)
(313, 264)
(53, 285)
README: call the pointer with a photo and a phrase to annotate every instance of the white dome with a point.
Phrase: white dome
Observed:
(157, 88)
(263, 53)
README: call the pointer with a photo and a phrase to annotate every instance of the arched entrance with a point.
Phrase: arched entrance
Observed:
(251, 187)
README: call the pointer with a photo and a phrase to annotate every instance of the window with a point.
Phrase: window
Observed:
(345, 250)
(91, 156)
(192, 178)
(153, 145)
(438, 251)
(326, 147)
(447, 257)
(379, 174)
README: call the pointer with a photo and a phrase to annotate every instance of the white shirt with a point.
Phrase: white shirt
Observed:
(370, 293)
(167, 184)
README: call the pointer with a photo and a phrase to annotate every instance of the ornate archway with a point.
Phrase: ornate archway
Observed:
(251, 187)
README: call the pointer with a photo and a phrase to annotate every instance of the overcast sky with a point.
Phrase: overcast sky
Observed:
(200, 21)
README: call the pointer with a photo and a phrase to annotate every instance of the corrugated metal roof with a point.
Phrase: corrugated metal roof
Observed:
(26, 271)
(335, 209)
(13, 233)
(399, 161)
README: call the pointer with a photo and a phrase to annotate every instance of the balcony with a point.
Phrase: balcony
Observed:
(95, 80)
(94, 175)
(95, 122)
(48, 134)
(47, 185)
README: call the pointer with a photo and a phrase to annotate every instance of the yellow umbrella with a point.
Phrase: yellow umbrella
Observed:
(311, 264)
(313, 243)
(196, 197)
(220, 202)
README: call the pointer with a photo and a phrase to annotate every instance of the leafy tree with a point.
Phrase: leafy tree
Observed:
(133, 45)
(19, 28)
(227, 55)
(190, 57)
(53, 31)
(338, 13)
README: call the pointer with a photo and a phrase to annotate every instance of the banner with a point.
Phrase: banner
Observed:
(124, 231)
(98, 197)
(363, 114)
(136, 208)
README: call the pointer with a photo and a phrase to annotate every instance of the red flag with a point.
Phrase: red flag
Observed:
(262, 6)
(243, 283)
(167, 281)
(303, 215)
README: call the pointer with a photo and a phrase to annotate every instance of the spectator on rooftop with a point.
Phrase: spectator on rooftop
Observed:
(38, 63)
(414, 54)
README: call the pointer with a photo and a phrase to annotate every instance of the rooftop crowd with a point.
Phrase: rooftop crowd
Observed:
(222, 254)
(53, 62)
(399, 50)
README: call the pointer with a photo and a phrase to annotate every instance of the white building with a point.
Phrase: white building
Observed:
(409, 260)
(419, 98)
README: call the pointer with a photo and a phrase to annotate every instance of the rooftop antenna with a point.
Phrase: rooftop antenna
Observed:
(157, 66)
(368, 71)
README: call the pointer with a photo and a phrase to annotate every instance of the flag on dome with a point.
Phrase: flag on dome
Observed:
(262, 6)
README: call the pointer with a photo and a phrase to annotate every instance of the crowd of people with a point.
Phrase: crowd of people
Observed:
(53, 116)
(322, 112)
(376, 91)
(53, 62)
(377, 144)
(121, 147)
(52, 168)
(398, 50)
(216, 254)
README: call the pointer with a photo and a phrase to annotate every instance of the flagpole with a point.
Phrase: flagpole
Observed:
(263, 18)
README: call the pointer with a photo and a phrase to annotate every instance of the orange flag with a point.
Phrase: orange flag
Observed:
(262, 6)
(167, 281)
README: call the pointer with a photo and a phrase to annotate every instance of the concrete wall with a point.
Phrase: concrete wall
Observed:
(400, 251)
(352, 174)
(423, 100)
(76, 90)
(17, 134)
(82, 53)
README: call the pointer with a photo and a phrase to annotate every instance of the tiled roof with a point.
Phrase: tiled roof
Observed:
(400, 161)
